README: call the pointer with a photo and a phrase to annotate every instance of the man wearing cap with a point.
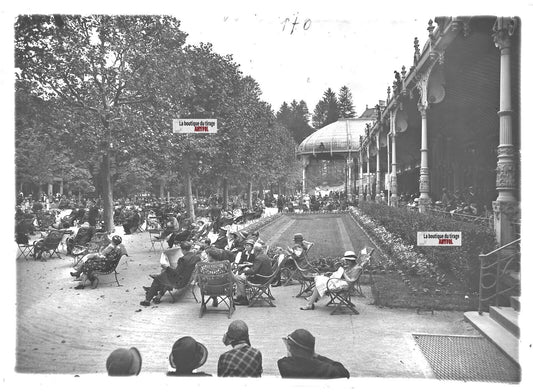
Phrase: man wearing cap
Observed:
(187, 355)
(261, 269)
(177, 278)
(124, 362)
(243, 360)
(302, 361)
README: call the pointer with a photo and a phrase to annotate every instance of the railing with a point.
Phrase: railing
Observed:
(495, 266)
(480, 220)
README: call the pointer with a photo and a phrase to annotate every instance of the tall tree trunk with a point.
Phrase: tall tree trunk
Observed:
(107, 193)
(188, 189)
(249, 191)
(225, 193)
(162, 184)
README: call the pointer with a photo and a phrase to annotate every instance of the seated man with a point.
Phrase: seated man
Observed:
(177, 278)
(171, 226)
(298, 253)
(262, 266)
(302, 361)
(116, 242)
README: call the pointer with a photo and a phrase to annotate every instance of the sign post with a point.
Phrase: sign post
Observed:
(198, 127)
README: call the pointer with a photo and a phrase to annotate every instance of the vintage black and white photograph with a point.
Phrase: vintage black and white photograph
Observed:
(293, 191)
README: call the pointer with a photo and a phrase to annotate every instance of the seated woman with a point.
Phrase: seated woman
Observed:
(116, 242)
(350, 273)
(99, 261)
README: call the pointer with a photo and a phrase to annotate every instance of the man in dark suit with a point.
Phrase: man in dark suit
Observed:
(176, 278)
(302, 361)
(261, 268)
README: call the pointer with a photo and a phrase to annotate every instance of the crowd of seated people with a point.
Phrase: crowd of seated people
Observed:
(187, 355)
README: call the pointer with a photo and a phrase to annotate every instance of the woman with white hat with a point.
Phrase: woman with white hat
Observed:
(350, 273)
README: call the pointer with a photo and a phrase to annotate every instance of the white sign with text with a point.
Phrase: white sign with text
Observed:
(191, 125)
(438, 238)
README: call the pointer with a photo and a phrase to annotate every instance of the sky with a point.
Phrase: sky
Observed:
(333, 43)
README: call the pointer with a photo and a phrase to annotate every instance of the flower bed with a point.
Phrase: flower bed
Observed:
(434, 264)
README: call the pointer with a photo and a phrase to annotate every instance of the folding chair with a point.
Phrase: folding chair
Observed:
(365, 257)
(26, 250)
(97, 243)
(341, 297)
(215, 280)
(173, 256)
(261, 291)
(49, 245)
(155, 238)
(82, 238)
(109, 268)
(306, 278)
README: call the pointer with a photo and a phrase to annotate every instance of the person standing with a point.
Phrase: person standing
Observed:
(302, 361)
(242, 360)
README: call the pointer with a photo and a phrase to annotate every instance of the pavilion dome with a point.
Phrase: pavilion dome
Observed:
(340, 136)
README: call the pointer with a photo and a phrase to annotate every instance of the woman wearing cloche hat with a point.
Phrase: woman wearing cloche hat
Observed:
(187, 355)
(340, 277)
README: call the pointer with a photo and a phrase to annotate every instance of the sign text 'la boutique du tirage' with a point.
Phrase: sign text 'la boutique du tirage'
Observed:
(439, 238)
(191, 125)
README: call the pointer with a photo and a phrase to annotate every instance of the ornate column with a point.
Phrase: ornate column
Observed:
(378, 171)
(505, 207)
(361, 179)
(305, 163)
(50, 189)
(393, 181)
(423, 105)
(368, 178)
(349, 163)
(61, 187)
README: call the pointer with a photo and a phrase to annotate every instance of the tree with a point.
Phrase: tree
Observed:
(326, 110)
(109, 74)
(320, 114)
(346, 108)
(296, 119)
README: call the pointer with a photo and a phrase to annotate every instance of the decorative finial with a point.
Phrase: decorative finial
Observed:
(430, 30)
(417, 50)
(388, 94)
(403, 72)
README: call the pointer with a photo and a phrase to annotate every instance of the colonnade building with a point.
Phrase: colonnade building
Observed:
(451, 120)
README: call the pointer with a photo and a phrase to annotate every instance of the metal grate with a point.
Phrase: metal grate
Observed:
(467, 358)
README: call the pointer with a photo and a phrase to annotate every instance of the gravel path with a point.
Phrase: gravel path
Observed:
(65, 331)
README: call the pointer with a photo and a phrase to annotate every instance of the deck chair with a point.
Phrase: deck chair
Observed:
(110, 267)
(289, 274)
(82, 237)
(172, 255)
(341, 297)
(306, 278)
(260, 292)
(97, 243)
(365, 257)
(215, 280)
(49, 245)
(26, 250)
(155, 238)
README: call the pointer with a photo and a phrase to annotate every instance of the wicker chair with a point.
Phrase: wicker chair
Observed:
(215, 279)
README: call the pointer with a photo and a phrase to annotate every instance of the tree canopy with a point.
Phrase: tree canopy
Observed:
(100, 92)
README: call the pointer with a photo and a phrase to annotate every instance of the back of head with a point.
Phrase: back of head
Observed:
(258, 248)
(187, 354)
(237, 332)
(186, 246)
(301, 343)
(124, 362)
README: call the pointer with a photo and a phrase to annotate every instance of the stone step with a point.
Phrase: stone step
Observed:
(507, 317)
(496, 333)
(515, 303)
